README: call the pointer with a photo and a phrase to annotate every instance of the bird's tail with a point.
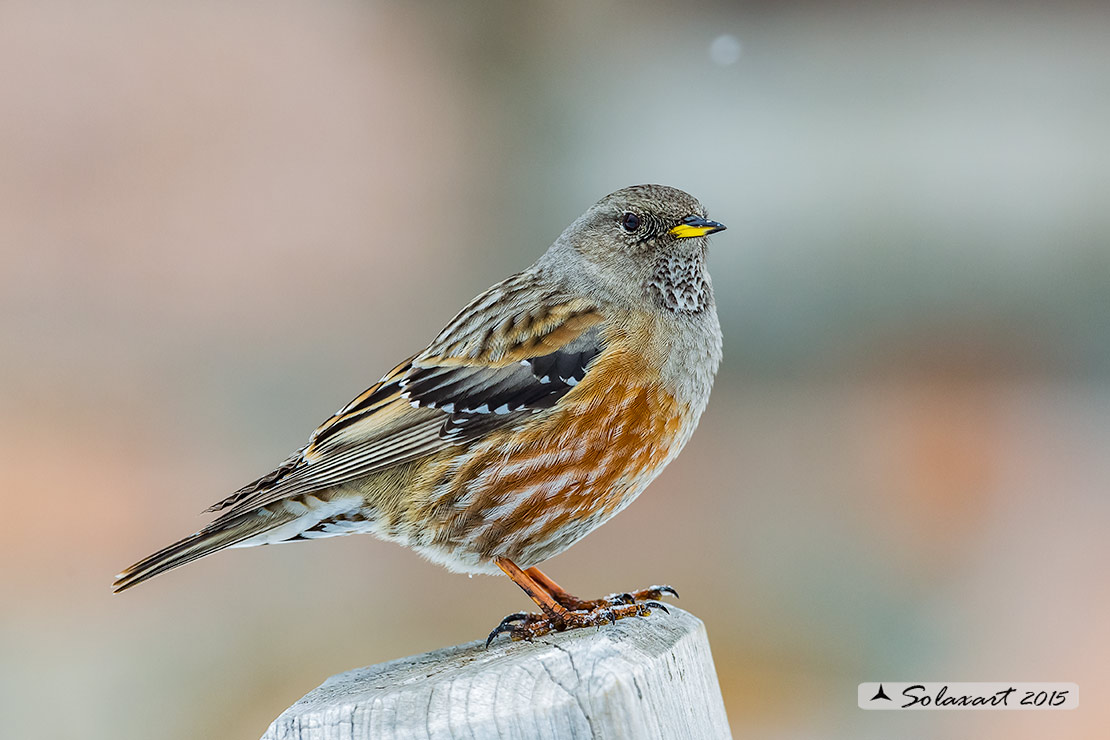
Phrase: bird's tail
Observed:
(216, 536)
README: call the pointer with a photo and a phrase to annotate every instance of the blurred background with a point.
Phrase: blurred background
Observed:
(221, 221)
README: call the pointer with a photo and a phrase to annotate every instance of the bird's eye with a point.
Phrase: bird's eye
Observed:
(630, 222)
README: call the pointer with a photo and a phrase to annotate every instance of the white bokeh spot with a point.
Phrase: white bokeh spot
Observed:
(725, 50)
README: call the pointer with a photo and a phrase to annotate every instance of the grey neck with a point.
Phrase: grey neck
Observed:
(679, 282)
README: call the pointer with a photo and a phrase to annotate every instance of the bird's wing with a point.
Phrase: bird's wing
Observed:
(509, 354)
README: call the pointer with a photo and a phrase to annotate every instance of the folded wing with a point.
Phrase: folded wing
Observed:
(505, 357)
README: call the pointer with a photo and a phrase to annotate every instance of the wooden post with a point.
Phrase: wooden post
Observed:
(643, 677)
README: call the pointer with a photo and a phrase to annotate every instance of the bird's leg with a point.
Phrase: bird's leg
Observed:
(557, 615)
(570, 601)
(537, 591)
(574, 603)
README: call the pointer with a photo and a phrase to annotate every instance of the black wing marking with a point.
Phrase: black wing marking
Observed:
(565, 367)
(480, 398)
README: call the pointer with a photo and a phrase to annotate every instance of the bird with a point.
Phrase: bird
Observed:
(537, 414)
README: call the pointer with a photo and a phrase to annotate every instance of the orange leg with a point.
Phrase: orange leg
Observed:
(574, 603)
(537, 589)
(570, 601)
(562, 611)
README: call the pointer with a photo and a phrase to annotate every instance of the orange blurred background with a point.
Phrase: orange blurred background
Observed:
(221, 221)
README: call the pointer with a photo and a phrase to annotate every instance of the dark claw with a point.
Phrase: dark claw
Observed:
(580, 613)
(514, 617)
(506, 625)
(494, 633)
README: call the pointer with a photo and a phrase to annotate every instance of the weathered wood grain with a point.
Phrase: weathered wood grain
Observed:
(647, 677)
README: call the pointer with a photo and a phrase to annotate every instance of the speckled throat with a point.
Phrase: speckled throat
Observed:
(678, 282)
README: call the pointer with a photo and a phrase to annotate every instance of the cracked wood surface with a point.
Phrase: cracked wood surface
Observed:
(642, 677)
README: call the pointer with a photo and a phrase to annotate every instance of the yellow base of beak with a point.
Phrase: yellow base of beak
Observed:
(695, 226)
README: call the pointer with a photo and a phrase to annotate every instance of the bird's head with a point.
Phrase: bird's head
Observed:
(641, 241)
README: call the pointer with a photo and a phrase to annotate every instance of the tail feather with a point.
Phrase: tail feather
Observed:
(212, 538)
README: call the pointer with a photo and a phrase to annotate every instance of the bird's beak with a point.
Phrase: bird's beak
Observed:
(696, 226)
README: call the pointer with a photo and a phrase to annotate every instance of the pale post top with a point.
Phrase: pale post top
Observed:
(642, 677)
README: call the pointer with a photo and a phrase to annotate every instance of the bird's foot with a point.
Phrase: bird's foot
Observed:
(528, 626)
(573, 603)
